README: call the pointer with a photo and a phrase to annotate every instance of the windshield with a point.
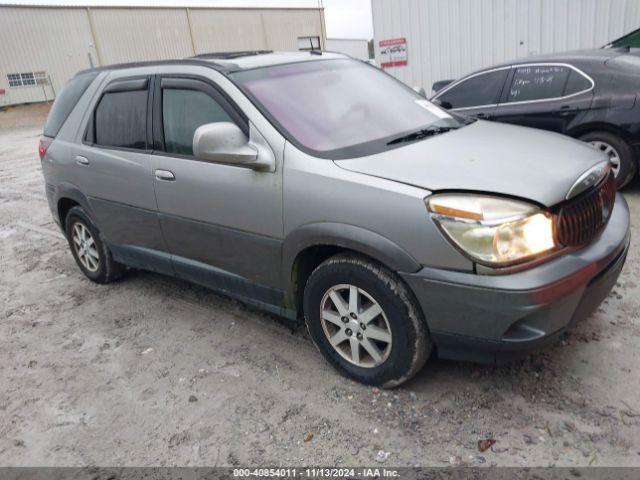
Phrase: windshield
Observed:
(339, 108)
(631, 40)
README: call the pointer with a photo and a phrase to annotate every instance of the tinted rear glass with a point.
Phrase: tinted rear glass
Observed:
(65, 101)
(121, 120)
(482, 89)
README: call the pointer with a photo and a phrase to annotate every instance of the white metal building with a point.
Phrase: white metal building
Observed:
(428, 40)
(354, 47)
(42, 47)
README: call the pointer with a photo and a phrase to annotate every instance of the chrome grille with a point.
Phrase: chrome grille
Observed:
(582, 218)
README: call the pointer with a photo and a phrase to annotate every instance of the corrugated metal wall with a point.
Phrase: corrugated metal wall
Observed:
(449, 38)
(237, 30)
(357, 48)
(129, 35)
(55, 41)
(60, 41)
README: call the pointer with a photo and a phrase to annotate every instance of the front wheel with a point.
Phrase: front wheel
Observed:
(620, 155)
(365, 321)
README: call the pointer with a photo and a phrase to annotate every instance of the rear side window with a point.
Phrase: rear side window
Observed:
(66, 101)
(483, 89)
(121, 119)
(183, 111)
(538, 82)
(576, 83)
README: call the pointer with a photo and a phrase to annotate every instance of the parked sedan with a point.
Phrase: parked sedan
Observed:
(591, 95)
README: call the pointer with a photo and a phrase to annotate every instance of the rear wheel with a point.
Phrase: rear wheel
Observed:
(365, 321)
(89, 249)
(619, 152)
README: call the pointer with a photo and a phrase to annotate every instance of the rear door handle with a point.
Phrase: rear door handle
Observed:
(80, 160)
(567, 109)
(165, 175)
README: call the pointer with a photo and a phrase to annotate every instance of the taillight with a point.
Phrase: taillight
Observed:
(44, 144)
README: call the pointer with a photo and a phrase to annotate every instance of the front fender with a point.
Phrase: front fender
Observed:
(346, 236)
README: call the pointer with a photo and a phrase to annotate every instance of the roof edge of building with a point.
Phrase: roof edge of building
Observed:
(152, 7)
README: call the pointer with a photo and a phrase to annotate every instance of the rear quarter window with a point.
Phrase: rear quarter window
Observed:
(576, 83)
(66, 101)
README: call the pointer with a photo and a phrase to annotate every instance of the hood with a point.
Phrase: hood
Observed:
(487, 157)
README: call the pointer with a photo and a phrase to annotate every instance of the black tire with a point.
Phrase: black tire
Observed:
(628, 164)
(410, 346)
(107, 269)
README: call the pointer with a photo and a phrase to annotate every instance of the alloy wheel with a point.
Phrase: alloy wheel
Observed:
(610, 152)
(85, 247)
(355, 325)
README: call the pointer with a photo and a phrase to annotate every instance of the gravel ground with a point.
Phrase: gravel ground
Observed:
(154, 371)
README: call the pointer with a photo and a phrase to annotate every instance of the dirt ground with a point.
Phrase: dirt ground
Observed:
(154, 371)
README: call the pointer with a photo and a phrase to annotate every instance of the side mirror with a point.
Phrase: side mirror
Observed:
(440, 103)
(224, 142)
(420, 91)
(440, 84)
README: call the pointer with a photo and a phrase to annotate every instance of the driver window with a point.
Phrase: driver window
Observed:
(183, 111)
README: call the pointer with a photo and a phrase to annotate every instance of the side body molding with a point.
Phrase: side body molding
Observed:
(347, 236)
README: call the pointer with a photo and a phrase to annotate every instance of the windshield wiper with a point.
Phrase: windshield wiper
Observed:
(419, 134)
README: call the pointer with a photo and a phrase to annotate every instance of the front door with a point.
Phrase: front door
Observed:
(476, 95)
(222, 223)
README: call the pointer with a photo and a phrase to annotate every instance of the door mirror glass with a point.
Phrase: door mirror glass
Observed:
(223, 142)
(440, 103)
(440, 84)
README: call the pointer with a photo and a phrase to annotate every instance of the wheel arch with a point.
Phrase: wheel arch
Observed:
(69, 196)
(308, 246)
(599, 127)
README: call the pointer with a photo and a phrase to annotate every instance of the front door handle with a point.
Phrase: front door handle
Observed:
(80, 160)
(165, 175)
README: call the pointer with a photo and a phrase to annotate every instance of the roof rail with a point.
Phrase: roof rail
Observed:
(232, 55)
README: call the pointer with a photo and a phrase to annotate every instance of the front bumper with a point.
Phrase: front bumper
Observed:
(487, 318)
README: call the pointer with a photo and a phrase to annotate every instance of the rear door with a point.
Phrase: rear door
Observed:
(222, 222)
(113, 165)
(476, 95)
(547, 96)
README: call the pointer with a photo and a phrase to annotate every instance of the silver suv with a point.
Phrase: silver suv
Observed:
(321, 189)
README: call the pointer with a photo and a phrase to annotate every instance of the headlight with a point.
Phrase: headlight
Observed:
(491, 230)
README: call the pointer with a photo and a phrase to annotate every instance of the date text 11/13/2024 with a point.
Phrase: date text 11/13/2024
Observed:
(316, 472)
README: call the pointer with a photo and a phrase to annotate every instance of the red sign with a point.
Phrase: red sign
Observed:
(393, 52)
(2, 91)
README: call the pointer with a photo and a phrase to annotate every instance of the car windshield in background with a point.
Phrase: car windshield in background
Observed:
(630, 40)
(340, 108)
